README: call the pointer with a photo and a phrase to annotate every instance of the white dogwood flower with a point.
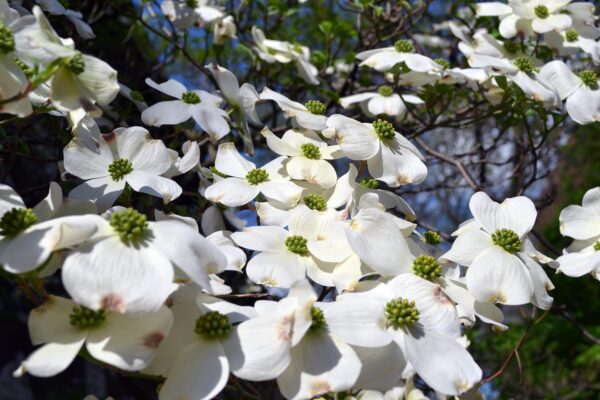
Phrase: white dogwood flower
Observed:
(186, 13)
(527, 16)
(245, 181)
(503, 266)
(28, 237)
(202, 348)
(200, 105)
(582, 91)
(62, 327)
(109, 162)
(401, 52)
(308, 156)
(290, 340)
(390, 156)
(408, 319)
(106, 272)
(284, 52)
(382, 102)
(582, 223)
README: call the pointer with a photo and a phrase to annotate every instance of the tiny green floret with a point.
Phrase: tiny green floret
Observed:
(589, 78)
(508, 240)
(427, 267)
(76, 64)
(403, 46)
(401, 313)
(432, 237)
(118, 169)
(524, 64)
(85, 318)
(511, 46)
(315, 202)
(385, 90)
(256, 176)
(136, 96)
(315, 107)
(129, 224)
(213, 325)
(572, 35)
(16, 220)
(318, 319)
(444, 63)
(190, 98)
(191, 3)
(297, 244)
(7, 40)
(384, 129)
(541, 11)
(597, 246)
(311, 151)
(369, 183)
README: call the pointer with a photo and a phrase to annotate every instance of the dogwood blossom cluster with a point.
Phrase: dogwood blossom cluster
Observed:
(350, 294)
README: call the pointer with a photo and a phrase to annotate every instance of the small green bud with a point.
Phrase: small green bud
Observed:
(401, 313)
(369, 183)
(384, 129)
(541, 11)
(597, 246)
(7, 40)
(511, 46)
(318, 319)
(129, 224)
(118, 169)
(432, 237)
(315, 107)
(311, 151)
(572, 35)
(297, 244)
(442, 62)
(190, 98)
(76, 64)
(508, 240)
(403, 46)
(137, 96)
(16, 220)
(427, 267)
(256, 176)
(214, 170)
(315, 202)
(524, 64)
(191, 3)
(213, 325)
(27, 70)
(385, 90)
(85, 318)
(589, 78)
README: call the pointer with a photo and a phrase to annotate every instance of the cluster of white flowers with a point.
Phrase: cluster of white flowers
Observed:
(370, 300)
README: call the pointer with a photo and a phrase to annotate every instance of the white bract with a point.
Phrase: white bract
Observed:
(582, 223)
(111, 161)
